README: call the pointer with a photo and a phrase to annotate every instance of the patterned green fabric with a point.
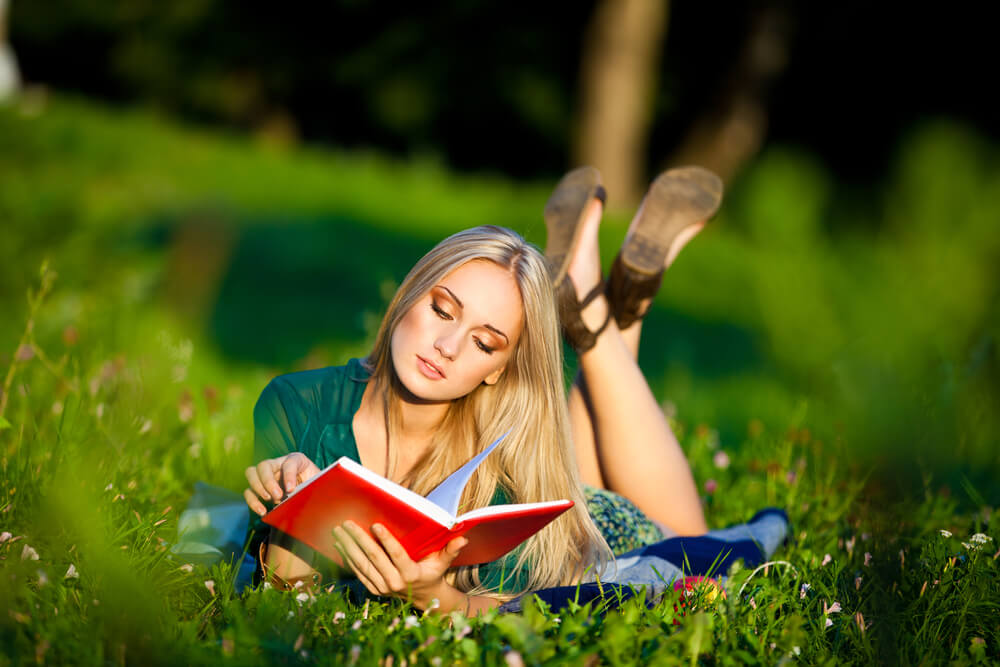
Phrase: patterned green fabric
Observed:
(624, 526)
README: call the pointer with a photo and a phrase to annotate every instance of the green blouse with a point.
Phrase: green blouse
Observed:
(313, 412)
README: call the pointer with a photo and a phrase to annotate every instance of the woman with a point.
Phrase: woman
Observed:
(468, 350)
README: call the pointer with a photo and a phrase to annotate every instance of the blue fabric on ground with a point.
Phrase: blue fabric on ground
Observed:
(213, 528)
(657, 566)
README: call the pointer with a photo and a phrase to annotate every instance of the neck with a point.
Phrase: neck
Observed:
(418, 422)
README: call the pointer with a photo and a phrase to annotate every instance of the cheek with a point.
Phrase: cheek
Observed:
(407, 328)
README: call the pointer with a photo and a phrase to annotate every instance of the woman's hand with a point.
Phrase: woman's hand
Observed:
(291, 470)
(386, 569)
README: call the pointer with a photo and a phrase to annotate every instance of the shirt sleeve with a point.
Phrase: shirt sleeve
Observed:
(279, 418)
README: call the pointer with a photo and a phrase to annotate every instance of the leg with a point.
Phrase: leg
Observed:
(623, 441)
(638, 455)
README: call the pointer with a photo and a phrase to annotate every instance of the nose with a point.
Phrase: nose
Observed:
(447, 344)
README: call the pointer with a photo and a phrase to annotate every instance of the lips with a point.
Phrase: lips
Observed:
(430, 369)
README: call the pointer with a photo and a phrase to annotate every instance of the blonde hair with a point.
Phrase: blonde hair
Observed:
(535, 462)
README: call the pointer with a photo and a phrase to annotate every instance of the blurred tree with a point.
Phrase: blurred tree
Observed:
(731, 132)
(619, 73)
(10, 79)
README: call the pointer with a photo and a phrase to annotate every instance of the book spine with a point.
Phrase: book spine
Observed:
(434, 542)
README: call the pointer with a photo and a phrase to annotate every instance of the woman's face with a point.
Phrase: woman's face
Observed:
(460, 334)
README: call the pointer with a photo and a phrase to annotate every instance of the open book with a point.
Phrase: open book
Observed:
(346, 490)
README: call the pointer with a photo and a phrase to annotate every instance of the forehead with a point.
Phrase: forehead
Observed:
(489, 292)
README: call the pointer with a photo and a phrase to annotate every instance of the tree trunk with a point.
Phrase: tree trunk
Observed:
(10, 78)
(621, 54)
(727, 136)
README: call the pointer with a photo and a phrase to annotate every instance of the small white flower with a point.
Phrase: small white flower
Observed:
(356, 625)
(71, 573)
(210, 585)
(302, 598)
(826, 560)
(28, 553)
(187, 567)
(4, 536)
(868, 559)
(796, 650)
(802, 591)
(834, 608)
(945, 533)
(721, 460)
(339, 616)
(828, 623)
(967, 545)
(411, 622)
(980, 538)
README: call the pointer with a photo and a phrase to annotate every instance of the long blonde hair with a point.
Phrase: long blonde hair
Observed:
(535, 462)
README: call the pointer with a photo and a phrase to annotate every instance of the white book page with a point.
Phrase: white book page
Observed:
(412, 499)
(494, 510)
(448, 493)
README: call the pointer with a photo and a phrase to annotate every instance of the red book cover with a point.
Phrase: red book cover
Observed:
(347, 490)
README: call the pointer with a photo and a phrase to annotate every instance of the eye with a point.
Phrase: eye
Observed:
(484, 347)
(440, 311)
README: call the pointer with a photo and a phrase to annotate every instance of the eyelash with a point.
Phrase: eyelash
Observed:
(445, 316)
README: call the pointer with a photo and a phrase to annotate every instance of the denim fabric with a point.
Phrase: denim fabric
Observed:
(656, 567)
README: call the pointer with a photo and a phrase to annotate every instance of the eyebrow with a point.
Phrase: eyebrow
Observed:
(461, 305)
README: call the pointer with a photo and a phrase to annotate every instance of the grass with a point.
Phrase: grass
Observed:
(117, 400)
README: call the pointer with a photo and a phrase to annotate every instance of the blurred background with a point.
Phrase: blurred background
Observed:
(238, 187)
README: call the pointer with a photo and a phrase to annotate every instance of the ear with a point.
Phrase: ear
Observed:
(494, 377)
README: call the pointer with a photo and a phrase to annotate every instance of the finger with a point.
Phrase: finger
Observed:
(376, 556)
(267, 470)
(360, 562)
(349, 564)
(455, 547)
(397, 554)
(254, 480)
(290, 473)
(307, 469)
(254, 503)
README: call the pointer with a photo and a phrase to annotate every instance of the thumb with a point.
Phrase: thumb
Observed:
(456, 545)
